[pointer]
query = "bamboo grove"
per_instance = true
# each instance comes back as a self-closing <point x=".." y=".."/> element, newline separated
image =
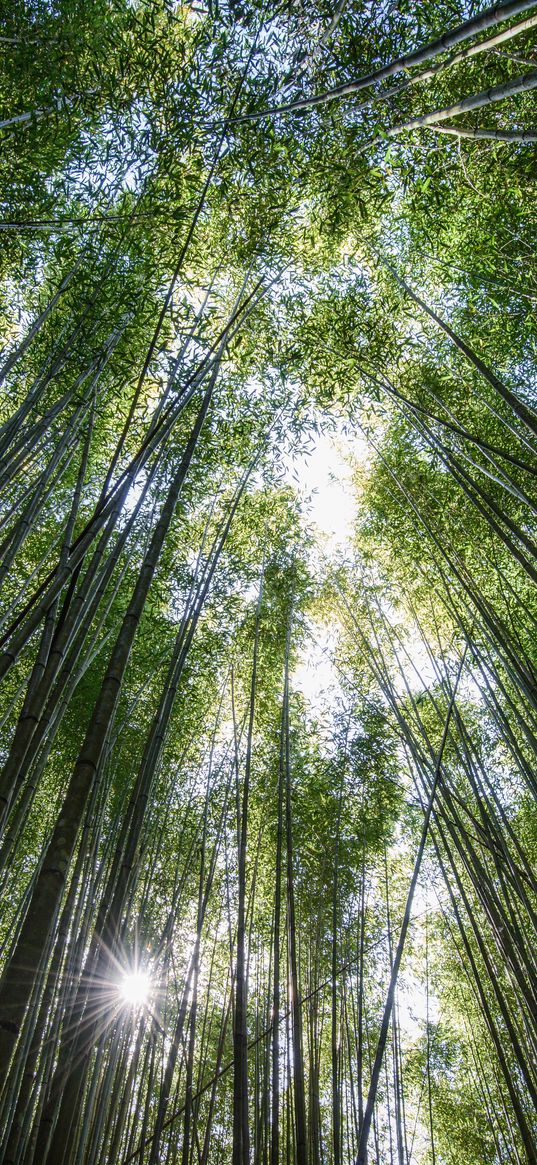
<point x="267" y="796"/>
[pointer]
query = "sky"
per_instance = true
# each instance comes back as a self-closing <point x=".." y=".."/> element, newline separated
<point x="323" y="481"/>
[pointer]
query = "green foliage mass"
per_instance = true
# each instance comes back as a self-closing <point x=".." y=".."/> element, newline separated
<point x="238" y="754"/>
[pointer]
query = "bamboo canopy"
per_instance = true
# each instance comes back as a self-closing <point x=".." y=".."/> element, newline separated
<point x="268" y="543"/>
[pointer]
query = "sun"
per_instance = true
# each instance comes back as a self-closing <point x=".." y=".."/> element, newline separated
<point x="135" y="988"/>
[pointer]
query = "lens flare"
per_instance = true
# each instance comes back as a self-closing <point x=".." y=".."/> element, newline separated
<point x="135" y="988"/>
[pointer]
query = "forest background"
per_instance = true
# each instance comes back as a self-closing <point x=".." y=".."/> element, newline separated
<point x="267" y="564"/>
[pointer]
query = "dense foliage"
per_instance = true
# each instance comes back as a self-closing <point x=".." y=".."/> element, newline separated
<point x="267" y="796"/>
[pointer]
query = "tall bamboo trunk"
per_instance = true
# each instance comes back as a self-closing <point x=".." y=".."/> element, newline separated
<point x="294" y="985"/>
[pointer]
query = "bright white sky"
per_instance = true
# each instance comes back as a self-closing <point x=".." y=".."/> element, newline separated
<point x="323" y="481"/>
<point x="315" y="676"/>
